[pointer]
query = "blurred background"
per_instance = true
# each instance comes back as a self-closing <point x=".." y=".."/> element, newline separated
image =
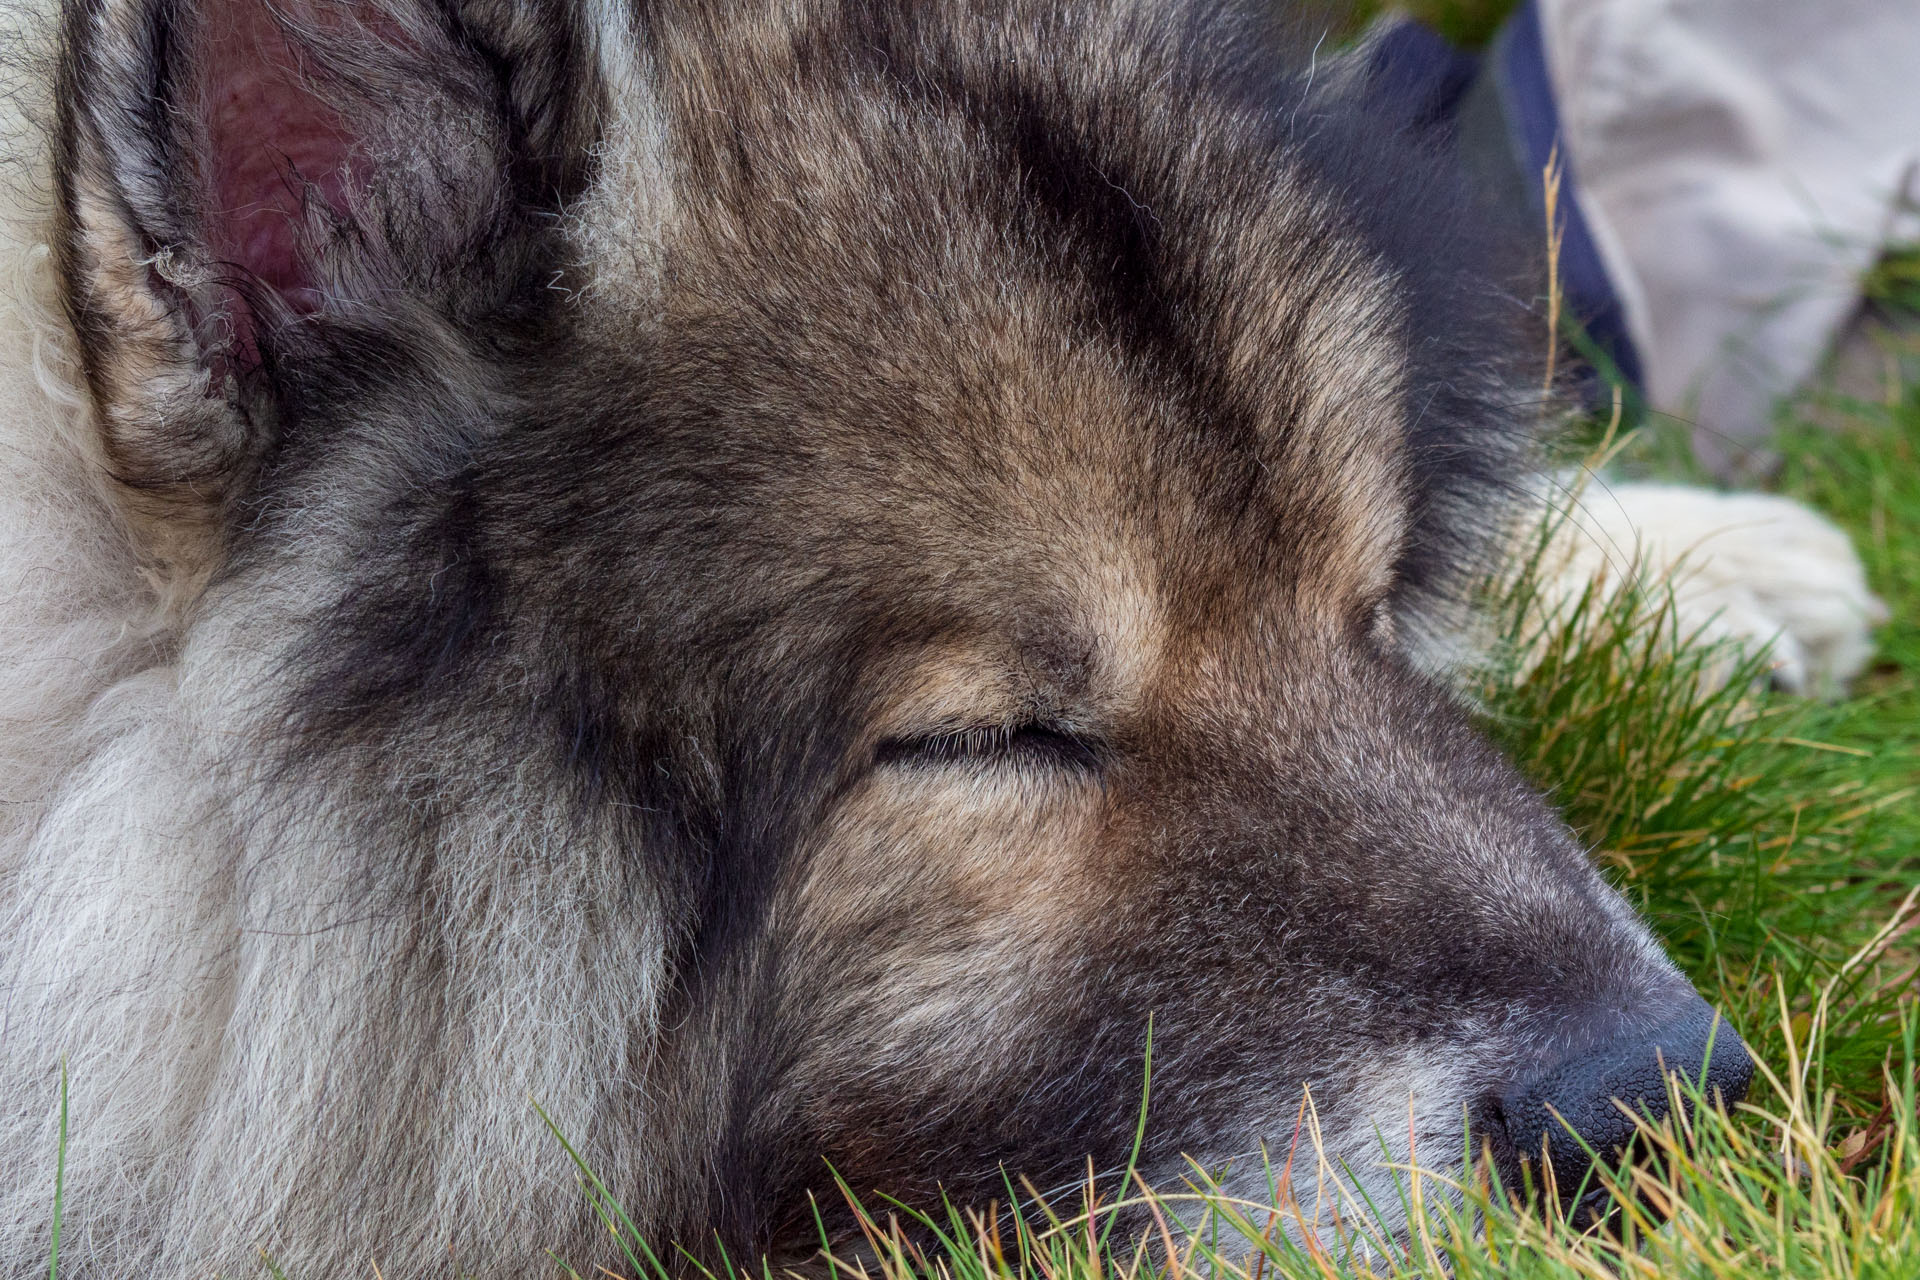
<point x="1736" y="212"/>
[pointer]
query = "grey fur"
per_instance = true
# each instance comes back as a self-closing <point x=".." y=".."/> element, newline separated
<point x="770" y="578"/>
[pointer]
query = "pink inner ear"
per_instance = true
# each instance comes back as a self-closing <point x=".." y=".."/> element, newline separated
<point x="272" y="144"/>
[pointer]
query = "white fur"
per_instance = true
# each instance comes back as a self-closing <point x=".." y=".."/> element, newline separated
<point x="103" y="874"/>
<point x="1349" y="1187"/>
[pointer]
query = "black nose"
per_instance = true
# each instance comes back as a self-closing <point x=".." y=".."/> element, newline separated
<point x="1583" y="1093"/>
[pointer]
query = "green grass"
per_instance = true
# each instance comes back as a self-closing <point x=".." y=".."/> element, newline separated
<point x="59" y="1183"/>
<point x="1468" y="23"/>
<point x="1894" y="281"/>
<point x="1774" y="843"/>
<point x="1768" y="838"/>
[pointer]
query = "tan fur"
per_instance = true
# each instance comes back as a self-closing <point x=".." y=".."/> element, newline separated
<point x="742" y="618"/>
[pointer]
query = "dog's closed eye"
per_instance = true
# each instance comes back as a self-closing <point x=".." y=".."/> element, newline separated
<point x="990" y="745"/>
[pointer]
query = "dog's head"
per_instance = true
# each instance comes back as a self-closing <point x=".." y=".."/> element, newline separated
<point x="935" y="514"/>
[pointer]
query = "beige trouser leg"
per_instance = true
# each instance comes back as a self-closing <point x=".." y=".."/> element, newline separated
<point x="1740" y="163"/>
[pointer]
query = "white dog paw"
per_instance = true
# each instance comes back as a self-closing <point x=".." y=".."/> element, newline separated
<point x="1751" y="568"/>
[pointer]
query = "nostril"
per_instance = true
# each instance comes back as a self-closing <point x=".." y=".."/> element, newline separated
<point x="1575" y="1105"/>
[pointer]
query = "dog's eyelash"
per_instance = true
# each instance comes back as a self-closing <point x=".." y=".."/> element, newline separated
<point x="988" y="744"/>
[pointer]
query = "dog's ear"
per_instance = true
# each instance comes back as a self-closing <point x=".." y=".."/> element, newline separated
<point x="240" y="178"/>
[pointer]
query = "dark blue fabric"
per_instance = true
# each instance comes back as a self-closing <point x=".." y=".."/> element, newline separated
<point x="1526" y="99"/>
<point x="1419" y="75"/>
<point x="1421" y="79"/>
